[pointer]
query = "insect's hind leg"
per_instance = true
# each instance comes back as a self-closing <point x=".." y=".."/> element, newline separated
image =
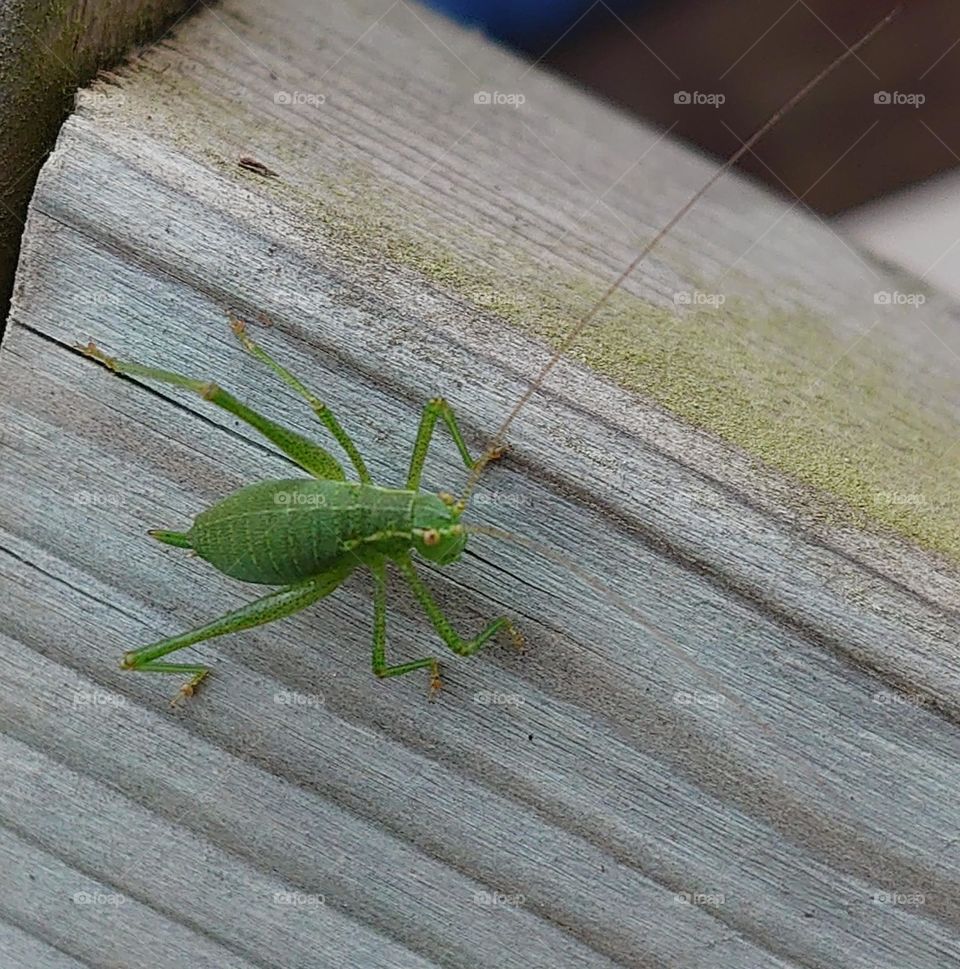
<point x="380" y="667"/>
<point x="319" y="408"/>
<point x="310" y="456"/>
<point x="276" y="605"/>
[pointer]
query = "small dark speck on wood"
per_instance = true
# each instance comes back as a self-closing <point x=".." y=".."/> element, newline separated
<point x="252" y="165"/>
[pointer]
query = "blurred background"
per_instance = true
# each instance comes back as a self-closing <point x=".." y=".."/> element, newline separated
<point x="877" y="147"/>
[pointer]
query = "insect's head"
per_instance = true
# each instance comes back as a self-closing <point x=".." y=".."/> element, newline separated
<point x="437" y="532"/>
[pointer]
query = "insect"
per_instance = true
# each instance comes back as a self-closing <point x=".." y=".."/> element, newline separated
<point x="307" y="535"/>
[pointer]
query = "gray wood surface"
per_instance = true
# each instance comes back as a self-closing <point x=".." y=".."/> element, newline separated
<point x="732" y="739"/>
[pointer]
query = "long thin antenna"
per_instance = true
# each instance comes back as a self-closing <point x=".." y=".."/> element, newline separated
<point x="685" y="657"/>
<point x="499" y="439"/>
<point x="592" y="582"/>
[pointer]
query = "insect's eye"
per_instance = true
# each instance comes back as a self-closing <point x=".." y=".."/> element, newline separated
<point x="431" y="536"/>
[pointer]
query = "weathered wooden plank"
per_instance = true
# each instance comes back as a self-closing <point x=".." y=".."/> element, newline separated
<point x="21" y="950"/>
<point x="762" y="708"/>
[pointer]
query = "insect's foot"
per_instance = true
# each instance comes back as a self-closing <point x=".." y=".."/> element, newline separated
<point x="491" y="454"/>
<point x="95" y="353"/>
<point x="239" y="328"/>
<point x="189" y="688"/>
<point x="436" y="684"/>
<point x="516" y="636"/>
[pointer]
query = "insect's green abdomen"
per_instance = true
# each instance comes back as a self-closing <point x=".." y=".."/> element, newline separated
<point x="279" y="532"/>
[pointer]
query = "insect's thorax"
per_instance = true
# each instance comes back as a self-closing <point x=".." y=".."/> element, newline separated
<point x="277" y="532"/>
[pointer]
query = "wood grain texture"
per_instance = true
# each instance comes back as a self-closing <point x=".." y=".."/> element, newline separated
<point x="721" y="750"/>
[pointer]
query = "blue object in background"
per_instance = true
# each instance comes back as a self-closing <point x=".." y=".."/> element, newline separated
<point x="532" y="25"/>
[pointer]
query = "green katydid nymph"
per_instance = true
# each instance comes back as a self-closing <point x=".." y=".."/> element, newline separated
<point x="307" y="535"/>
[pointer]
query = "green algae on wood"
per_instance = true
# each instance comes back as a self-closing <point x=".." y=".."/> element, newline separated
<point x="842" y="423"/>
<point x="782" y="386"/>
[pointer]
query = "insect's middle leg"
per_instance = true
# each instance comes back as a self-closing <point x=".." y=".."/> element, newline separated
<point x="380" y="667"/>
<point x="320" y="409"/>
<point x="463" y="647"/>
<point x="276" y="605"/>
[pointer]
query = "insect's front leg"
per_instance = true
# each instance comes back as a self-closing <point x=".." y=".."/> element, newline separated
<point x="380" y="667"/>
<point x="463" y="647"/>
<point x="434" y="409"/>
